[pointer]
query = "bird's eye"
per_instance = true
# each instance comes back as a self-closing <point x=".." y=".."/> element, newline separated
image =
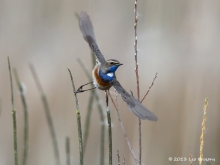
<point x="112" y="63"/>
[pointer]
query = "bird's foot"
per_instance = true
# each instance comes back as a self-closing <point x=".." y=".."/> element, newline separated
<point x="79" y="90"/>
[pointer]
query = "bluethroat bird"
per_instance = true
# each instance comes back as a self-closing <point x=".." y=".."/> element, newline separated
<point x="103" y="73"/>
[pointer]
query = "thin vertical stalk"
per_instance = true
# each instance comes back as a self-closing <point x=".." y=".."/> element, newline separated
<point x="118" y="157"/>
<point x="101" y="114"/>
<point x="102" y="141"/>
<point x="0" y="106"/>
<point x="203" y="131"/>
<point x="137" y="76"/>
<point x="102" y="119"/>
<point x="124" y="161"/>
<point x="140" y="142"/>
<point x="109" y="129"/>
<point x="87" y="121"/>
<point x="13" y="116"/>
<point x="48" y="115"/>
<point x="89" y="109"/>
<point x="123" y="129"/>
<point x="67" y="146"/>
<point x="135" y="48"/>
<point x="78" y="117"/>
<point x="26" y="124"/>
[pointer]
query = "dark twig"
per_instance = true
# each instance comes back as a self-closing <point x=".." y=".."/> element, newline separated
<point x="67" y="151"/>
<point x="48" y="115"/>
<point x="26" y="125"/>
<point x="78" y="121"/>
<point x="109" y="129"/>
<point x="118" y="157"/>
<point x="149" y="87"/>
<point x="13" y="117"/>
<point x="101" y="114"/>
<point x="123" y="129"/>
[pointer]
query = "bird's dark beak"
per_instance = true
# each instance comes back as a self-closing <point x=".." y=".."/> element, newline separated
<point x="119" y="64"/>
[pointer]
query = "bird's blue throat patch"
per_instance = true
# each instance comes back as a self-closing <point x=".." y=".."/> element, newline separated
<point x="106" y="77"/>
<point x="113" y="68"/>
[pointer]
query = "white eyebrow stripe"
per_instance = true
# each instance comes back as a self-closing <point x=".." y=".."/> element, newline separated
<point x="110" y="74"/>
<point x="113" y="61"/>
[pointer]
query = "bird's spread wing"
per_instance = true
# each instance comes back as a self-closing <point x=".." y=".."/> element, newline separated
<point x="134" y="105"/>
<point x="86" y="28"/>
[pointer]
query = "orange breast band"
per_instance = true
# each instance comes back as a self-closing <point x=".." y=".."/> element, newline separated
<point x="102" y="85"/>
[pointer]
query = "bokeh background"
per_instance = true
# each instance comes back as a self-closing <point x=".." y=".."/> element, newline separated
<point x="178" y="39"/>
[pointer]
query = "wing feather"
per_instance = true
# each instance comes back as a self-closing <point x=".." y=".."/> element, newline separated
<point x="134" y="105"/>
<point x="86" y="28"/>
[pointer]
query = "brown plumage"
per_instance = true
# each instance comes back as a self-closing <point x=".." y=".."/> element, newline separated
<point x="97" y="81"/>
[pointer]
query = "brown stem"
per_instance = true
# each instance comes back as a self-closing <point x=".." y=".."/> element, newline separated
<point x="149" y="88"/>
<point x="135" y="48"/>
<point x="136" y="71"/>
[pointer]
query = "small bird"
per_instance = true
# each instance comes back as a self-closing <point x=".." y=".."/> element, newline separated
<point x="103" y="73"/>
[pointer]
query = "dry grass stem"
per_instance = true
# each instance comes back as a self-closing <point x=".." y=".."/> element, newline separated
<point x="109" y="128"/>
<point x="13" y="116"/>
<point x="67" y="146"/>
<point x="78" y="117"/>
<point x="203" y="132"/>
<point x="48" y="115"/>
<point x="88" y="115"/>
<point x="26" y="124"/>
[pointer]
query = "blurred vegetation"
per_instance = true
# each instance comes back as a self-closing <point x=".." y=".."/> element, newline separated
<point x="178" y="39"/>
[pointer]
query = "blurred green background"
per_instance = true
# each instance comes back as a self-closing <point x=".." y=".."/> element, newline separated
<point x="179" y="39"/>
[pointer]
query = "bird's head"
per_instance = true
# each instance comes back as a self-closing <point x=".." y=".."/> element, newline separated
<point x="112" y="65"/>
